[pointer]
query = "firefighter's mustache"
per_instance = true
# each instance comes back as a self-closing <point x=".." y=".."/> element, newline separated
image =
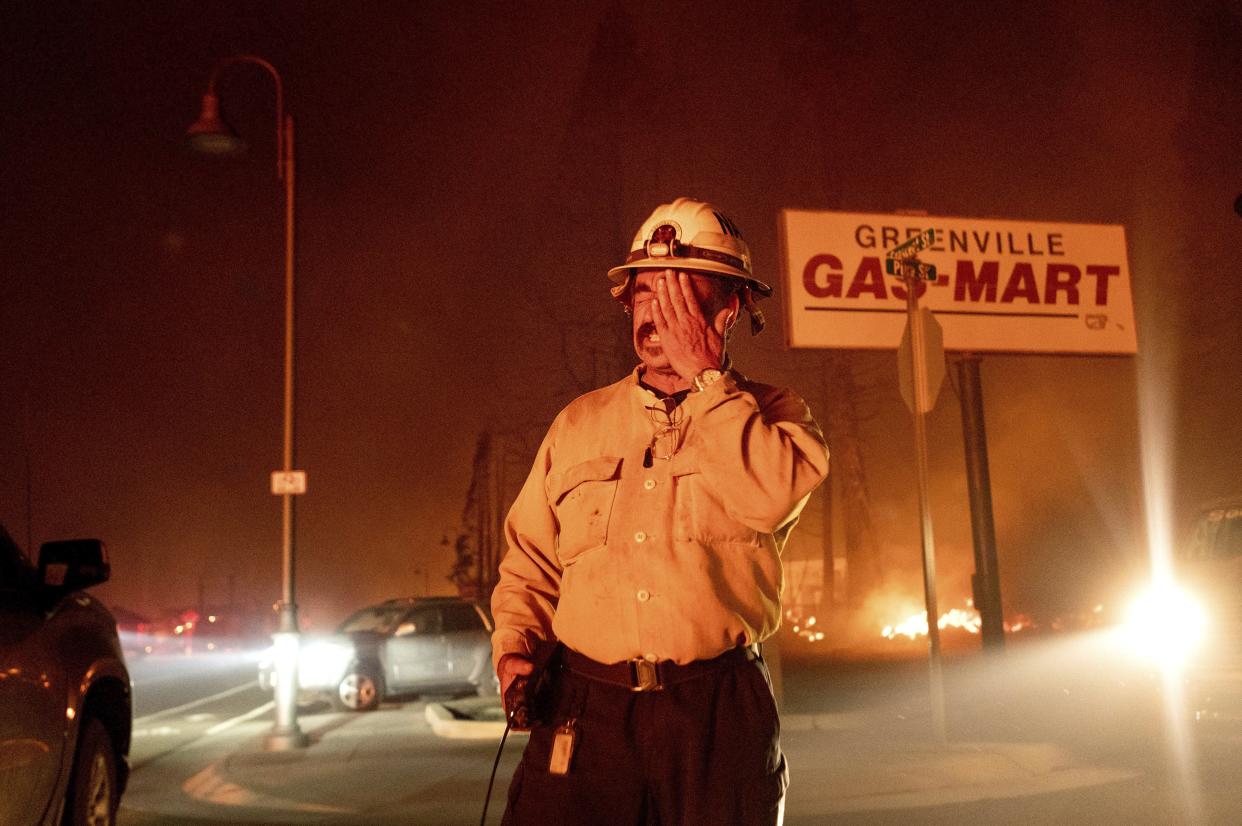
<point x="644" y="330"/>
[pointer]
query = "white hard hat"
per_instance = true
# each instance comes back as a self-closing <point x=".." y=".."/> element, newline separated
<point x="694" y="236"/>
<point x="689" y="235"/>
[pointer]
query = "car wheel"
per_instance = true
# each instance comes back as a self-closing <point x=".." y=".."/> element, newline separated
<point x="92" y="796"/>
<point x="359" y="690"/>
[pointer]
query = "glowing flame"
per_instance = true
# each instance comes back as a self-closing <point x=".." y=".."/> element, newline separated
<point x="804" y="627"/>
<point x="916" y="625"/>
<point x="1021" y="622"/>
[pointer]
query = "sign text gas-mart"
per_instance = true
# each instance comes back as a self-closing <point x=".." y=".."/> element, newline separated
<point x="1002" y="286"/>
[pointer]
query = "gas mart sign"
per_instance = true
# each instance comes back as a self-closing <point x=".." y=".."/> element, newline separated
<point x="1002" y="286"/>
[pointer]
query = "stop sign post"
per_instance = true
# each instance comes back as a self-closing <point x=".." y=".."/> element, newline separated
<point x="920" y="372"/>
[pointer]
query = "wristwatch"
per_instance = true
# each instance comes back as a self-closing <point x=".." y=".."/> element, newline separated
<point x="706" y="378"/>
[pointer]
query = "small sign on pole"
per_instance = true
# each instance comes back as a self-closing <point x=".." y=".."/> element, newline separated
<point x="288" y="482"/>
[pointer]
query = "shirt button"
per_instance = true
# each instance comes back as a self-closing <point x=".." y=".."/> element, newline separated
<point x="643" y="595"/>
<point x="640" y="537"/>
<point x="649" y="484"/>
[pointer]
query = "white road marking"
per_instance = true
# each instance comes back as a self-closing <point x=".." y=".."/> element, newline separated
<point x="241" y="718"/>
<point x="193" y="703"/>
<point x="209" y="786"/>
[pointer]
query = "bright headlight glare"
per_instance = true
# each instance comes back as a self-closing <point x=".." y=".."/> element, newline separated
<point x="323" y="662"/>
<point x="1166" y="624"/>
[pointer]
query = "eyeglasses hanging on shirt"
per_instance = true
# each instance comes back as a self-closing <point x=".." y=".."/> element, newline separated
<point x="667" y="417"/>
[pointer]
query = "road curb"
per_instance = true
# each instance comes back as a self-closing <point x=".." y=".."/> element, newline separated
<point x="839" y="721"/>
<point x="452" y="724"/>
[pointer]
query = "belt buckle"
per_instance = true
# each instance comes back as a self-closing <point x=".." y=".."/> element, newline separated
<point x="644" y="675"/>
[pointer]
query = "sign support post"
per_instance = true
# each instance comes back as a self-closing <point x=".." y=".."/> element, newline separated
<point x="985" y="582"/>
<point x="903" y="262"/>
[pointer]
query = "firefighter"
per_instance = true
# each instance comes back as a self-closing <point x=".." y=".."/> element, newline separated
<point x="645" y="544"/>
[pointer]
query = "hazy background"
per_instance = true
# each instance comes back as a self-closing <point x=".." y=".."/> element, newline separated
<point x="467" y="173"/>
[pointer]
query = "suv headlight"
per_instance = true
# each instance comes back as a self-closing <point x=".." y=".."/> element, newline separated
<point x="323" y="663"/>
<point x="1166" y="624"/>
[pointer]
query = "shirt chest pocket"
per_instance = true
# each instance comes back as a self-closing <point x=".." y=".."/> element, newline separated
<point x="700" y="513"/>
<point x="582" y="497"/>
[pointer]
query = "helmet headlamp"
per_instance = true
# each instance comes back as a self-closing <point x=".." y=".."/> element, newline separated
<point x="663" y="242"/>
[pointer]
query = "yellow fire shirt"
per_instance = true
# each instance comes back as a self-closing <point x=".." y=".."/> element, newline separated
<point x="631" y="540"/>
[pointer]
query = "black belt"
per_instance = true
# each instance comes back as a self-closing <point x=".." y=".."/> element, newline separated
<point x="641" y="674"/>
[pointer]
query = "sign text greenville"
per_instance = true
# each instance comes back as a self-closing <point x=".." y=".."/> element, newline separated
<point x="1002" y="286"/>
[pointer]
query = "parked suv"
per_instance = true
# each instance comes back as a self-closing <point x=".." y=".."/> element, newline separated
<point x="1211" y="564"/>
<point x="65" y="706"/>
<point x="399" y="646"/>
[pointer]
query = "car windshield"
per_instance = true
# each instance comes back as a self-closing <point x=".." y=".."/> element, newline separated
<point x="1218" y="535"/>
<point x="380" y="619"/>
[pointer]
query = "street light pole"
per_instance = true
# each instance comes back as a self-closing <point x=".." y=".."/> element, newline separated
<point x="212" y="135"/>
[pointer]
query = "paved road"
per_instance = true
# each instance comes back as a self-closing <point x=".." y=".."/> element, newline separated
<point x="179" y="700"/>
<point x="1074" y="698"/>
<point x="164" y="681"/>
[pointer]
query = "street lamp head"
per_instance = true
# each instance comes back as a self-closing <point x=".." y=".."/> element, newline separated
<point x="210" y="134"/>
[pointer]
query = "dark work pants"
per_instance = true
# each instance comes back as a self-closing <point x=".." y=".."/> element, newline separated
<point x="703" y="751"/>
